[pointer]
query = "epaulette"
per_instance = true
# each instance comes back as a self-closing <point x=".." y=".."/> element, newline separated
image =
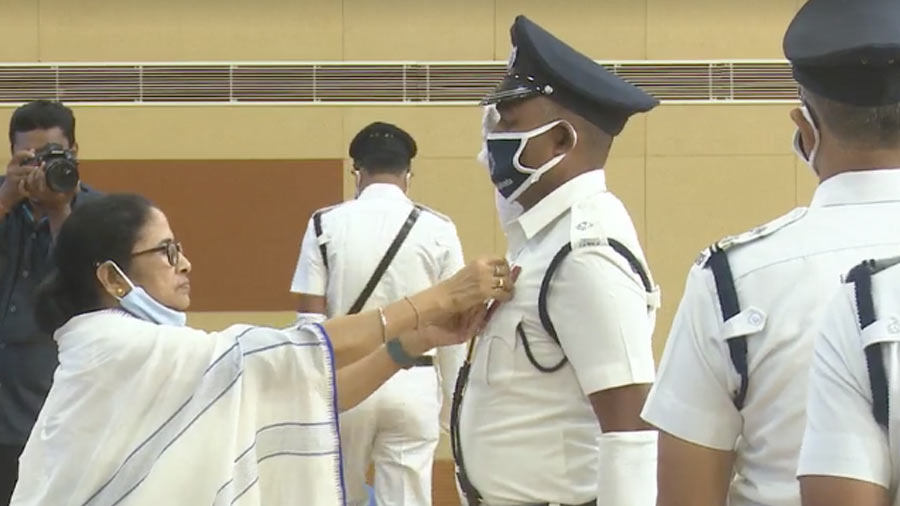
<point x="587" y="226"/>
<point x="328" y="208"/>
<point x="751" y="235"/>
<point x="432" y="211"/>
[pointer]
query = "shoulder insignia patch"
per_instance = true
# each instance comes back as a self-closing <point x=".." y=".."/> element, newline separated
<point x="586" y="228"/>
<point x="762" y="230"/>
<point x="432" y="211"/>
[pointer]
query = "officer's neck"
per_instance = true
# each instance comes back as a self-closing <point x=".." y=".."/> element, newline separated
<point x="366" y="179"/>
<point x="841" y="160"/>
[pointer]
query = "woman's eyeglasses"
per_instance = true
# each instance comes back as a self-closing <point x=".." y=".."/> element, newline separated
<point x="173" y="252"/>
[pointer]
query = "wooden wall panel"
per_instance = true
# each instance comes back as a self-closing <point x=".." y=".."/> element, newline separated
<point x="136" y="30"/>
<point x="418" y="30"/>
<point x="209" y="133"/>
<point x="212" y="321"/>
<point x="461" y="189"/>
<point x="241" y="222"/>
<point x="440" y="132"/>
<point x="695" y="201"/>
<point x="625" y="177"/>
<point x="18" y="31"/>
<point x="701" y="29"/>
<point x="715" y="130"/>
<point x="608" y="29"/>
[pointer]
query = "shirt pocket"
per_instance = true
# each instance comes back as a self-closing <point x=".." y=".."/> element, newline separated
<point x="499" y="347"/>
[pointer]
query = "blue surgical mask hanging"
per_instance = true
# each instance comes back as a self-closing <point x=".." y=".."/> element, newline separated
<point x="504" y="151"/>
<point x="140" y="304"/>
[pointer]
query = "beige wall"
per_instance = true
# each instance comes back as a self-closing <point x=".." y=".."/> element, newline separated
<point x="688" y="174"/>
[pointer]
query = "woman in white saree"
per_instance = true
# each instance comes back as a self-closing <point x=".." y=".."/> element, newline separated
<point x="146" y="411"/>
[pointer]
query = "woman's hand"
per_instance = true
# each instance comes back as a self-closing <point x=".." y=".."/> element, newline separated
<point x="456" y="330"/>
<point x="481" y="280"/>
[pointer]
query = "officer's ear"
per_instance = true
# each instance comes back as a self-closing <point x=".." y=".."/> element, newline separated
<point x="564" y="138"/>
<point x="807" y="131"/>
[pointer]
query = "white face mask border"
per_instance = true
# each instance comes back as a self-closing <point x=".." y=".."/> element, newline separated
<point x="121" y="273"/>
<point x="808" y="156"/>
<point x="523" y="138"/>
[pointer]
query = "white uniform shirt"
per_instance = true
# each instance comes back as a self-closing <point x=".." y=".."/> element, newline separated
<point x="356" y="234"/>
<point x="842" y="438"/>
<point x="782" y="280"/>
<point x="529" y="436"/>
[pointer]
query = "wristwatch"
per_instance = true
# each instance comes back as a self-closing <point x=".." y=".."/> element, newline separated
<point x="399" y="355"/>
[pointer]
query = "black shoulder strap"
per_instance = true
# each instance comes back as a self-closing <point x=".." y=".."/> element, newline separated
<point x="317" y="225"/>
<point x="861" y="277"/>
<point x="728" y="301"/>
<point x="544" y="313"/>
<point x="386" y="260"/>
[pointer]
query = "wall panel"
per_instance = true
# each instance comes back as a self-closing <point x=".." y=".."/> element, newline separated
<point x="18" y="31"/>
<point x="608" y="29"/>
<point x="695" y="201"/>
<point x="241" y="222"/>
<point x="701" y="29"/>
<point x="418" y="30"/>
<point x="240" y="132"/>
<point x="718" y="130"/>
<point x="440" y="132"/>
<point x="461" y="189"/>
<point x="133" y="30"/>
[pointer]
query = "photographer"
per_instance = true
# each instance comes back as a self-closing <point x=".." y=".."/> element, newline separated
<point x="36" y="196"/>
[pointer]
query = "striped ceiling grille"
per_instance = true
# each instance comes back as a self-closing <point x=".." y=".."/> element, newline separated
<point x="418" y="83"/>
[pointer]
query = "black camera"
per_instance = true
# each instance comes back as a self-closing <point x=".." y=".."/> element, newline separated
<point x="60" y="167"/>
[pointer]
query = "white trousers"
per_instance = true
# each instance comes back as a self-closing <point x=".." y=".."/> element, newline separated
<point x="397" y="429"/>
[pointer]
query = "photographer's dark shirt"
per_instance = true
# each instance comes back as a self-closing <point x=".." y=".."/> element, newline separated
<point x="27" y="355"/>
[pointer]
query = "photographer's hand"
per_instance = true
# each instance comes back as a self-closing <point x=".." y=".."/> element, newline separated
<point x="57" y="206"/>
<point x="13" y="191"/>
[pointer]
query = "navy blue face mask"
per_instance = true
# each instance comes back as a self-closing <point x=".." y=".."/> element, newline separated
<point x="504" y="150"/>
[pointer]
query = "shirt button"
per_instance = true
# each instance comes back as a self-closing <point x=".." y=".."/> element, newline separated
<point x="33" y="236"/>
<point x="755" y="318"/>
<point x="12" y="309"/>
<point x="25" y="274"/>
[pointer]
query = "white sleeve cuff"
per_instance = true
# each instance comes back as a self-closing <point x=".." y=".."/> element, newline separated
<point x="669" y="414"/>
<point x="845" y="456"/>
<point x="628" y="468"/>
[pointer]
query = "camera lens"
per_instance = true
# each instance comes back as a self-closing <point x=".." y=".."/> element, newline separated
<point x="62" y="174"/>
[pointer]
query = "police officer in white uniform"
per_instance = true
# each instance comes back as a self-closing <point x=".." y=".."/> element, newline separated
<point x="365" y="253"/>
<point x="730" y="395"/>
<point x="852" y="439"/>
<point x="571" y="352"/>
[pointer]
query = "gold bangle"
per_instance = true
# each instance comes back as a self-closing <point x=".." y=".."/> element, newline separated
<point x="415" y="310"/>
<point x="383" y="324"/>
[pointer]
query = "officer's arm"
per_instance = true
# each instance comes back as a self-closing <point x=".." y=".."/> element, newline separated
<point x="833" y="491"/>
<point x="619" y="409"/>
<point x="600" y="315"/>
<point x="692" y="475"/>
<point x="310" y="279"/>
<point x="845" y="458"/>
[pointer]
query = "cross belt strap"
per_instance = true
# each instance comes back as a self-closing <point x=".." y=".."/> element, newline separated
<point x="544" y="313"/>
<point x="728" y="301"/>
<point x="386" y="260"/>
<point x="317" y="225"/>
<point x="861" y="277"/>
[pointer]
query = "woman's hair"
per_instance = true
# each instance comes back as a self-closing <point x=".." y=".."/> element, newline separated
<point x="101" y="229"/>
